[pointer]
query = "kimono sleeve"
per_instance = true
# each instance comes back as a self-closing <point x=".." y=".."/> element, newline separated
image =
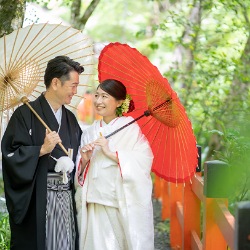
<point x="135" y="155"/>
<point x="135" y="160"/>
<point x="88" y="136"/>
<point x="20" y="158"/>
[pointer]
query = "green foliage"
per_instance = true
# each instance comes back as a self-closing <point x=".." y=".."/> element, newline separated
<point x="235" y="152"/>
<point x="4" y="232"/>
<point x="48" y="3"/>
<point x="11" y="15"/>
<point x="4" y="223"/>
<point x="163" y="226"/>
<point x="1" y="186"/>
<point x="117" y="20"/>
<point x="204" y="75"/>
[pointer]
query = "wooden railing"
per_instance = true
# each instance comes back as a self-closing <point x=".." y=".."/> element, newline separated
<point x="199" y="215"/>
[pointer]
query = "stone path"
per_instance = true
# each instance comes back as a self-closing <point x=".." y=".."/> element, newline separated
<point x="161" y="228"/>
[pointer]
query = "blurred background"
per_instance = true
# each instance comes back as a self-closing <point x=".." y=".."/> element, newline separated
<point x="201" y="46"/>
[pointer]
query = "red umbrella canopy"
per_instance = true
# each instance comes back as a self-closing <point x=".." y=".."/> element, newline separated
<point x="168" y="129"/>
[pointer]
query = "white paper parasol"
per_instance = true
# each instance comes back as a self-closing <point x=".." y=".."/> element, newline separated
<point x="24" y="55"/>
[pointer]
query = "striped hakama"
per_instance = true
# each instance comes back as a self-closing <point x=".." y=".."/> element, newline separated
<point x="60" y="226"/>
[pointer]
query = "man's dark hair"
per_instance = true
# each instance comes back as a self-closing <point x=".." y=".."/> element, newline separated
<point x="60" y="67"/>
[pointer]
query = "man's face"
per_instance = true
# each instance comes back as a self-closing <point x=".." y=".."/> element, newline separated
<point x="65" y="91"/>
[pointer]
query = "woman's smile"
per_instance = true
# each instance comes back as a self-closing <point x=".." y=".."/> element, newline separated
<point x="106" y="105"/>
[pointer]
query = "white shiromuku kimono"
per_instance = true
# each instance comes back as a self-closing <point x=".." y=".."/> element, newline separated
<point x="114" y="205"/>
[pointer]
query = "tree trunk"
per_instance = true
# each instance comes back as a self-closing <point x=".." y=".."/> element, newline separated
<point x="11" y="15"/>
<point x="78" y="21"/>
<point x="189" y="37"/>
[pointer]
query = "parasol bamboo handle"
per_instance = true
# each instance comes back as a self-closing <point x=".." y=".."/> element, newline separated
<point x="25" y="100"/>
<point x="146" y="113"/>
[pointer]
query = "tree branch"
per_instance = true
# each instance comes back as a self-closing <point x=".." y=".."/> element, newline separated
<point x="11" y="15"/>
<point x="80" y="22"/>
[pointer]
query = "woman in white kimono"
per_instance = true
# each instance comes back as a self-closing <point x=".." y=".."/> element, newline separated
<point x="114" y="187"/>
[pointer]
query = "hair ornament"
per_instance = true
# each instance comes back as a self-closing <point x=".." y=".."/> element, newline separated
<point x="126" y="107"/>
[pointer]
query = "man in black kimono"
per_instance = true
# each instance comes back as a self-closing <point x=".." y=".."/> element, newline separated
<point x="41" y="208"/>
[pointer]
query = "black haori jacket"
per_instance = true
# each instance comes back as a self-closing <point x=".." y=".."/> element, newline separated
<point x="25" y="173"/>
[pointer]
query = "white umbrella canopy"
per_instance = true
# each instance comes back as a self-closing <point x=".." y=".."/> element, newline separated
<point x="24" y="56"/>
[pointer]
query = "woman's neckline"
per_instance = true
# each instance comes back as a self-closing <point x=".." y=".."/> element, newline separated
<point x="110" y="123"/>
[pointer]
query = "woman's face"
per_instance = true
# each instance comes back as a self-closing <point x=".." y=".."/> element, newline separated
<point x="106" y="105"/>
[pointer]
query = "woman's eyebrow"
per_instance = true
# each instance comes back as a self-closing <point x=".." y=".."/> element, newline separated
<point x="102" y="94"/>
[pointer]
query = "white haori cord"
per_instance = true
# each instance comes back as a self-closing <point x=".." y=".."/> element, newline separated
<point x="64" y="164"/>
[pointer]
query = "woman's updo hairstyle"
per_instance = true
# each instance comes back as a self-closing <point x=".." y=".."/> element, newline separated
<point x="114" y="88"/>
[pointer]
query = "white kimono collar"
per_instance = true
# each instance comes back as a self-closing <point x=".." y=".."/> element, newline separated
<point x="103" y="123"/>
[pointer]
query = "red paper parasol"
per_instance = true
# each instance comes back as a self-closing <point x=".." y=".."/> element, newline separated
<point x="167" y="128"/>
